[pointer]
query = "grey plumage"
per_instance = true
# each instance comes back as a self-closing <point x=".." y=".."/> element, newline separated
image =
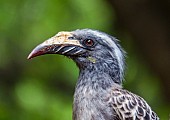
<point x="98" y="94"/>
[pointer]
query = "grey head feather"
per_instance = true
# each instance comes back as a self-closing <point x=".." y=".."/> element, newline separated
<point x="109" y="52"/>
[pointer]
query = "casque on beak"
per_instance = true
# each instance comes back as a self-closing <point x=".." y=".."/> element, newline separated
<point x="62" y="43"/>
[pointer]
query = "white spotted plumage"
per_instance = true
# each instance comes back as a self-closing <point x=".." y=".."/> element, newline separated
<point x="130" y="106"/>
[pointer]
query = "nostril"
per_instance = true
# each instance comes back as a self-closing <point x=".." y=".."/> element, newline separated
<point x="71" y="38"/>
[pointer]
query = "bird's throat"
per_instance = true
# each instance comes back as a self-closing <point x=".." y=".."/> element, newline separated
<point x="94" y="81"/>
<point x="92" y="89"/>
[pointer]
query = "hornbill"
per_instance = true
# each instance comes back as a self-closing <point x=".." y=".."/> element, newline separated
<point x="101" y="60"/>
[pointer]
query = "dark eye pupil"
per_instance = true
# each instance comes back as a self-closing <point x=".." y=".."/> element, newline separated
<point x="89" y="42"/>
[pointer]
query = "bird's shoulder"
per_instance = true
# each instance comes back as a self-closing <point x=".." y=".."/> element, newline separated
<point x="131" y="106"/>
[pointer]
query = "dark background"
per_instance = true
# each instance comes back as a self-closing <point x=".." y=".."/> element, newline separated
<point x="42" y="88"/>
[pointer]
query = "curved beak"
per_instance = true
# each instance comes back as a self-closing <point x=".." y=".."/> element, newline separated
<point x="62" y="43"/>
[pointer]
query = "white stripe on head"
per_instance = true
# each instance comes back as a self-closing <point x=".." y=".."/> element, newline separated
<point x="111" y="42"/>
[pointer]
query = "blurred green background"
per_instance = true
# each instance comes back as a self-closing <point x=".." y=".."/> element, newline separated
<point x="42" y="88"/>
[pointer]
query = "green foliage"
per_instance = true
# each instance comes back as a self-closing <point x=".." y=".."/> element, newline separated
<point x="42" y="89"/>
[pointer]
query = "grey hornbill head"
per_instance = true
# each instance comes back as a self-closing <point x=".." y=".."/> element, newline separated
<point x="90" y="49"/>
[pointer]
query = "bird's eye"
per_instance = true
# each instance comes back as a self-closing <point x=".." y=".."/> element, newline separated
<point x="89" y="42"/>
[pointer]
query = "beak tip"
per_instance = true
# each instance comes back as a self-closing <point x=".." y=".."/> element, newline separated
<point x="30" y="56"/>
<point x="37" y="51"/>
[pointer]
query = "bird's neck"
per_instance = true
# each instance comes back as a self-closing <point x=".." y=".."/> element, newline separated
<point x="93" y="86"/>
<point x="99" y="76"/>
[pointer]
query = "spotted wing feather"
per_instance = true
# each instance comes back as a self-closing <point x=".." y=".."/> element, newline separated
<point x="129" y="106"/>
